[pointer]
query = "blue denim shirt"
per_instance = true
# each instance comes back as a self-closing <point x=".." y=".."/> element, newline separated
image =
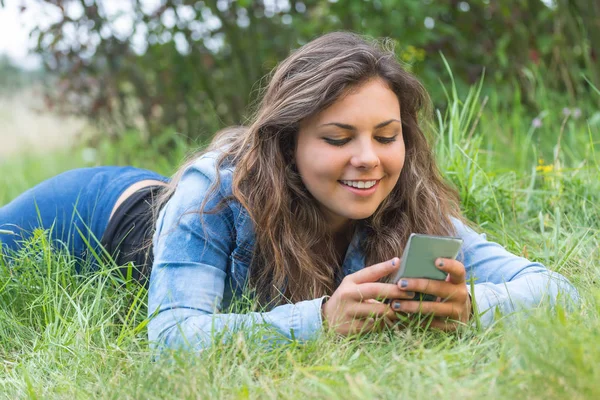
<point x="201" y="263"/>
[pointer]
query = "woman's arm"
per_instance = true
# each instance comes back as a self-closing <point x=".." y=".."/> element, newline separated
<point x="508" y="282"/>
<point x="191" y="258"/>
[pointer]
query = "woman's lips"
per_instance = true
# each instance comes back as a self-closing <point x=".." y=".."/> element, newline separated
<point x="362" y="192"/>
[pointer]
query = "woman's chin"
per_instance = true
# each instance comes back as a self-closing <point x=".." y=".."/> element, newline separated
<point x="360" y="215"/>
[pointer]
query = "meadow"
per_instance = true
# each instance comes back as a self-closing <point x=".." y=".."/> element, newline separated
<point x="528" y="180"/>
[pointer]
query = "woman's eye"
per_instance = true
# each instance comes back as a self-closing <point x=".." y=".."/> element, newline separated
<point x="336" y="142"/>
<point x="385" y="140"/>
<point x="341" y="142"/>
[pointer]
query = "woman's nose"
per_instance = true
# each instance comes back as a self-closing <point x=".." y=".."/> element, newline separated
<point x="365" y="157"/>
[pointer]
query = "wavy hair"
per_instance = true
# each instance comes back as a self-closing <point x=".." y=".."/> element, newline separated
<point x="294" y="258"/>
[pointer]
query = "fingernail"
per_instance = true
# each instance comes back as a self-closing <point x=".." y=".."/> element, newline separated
<point x="396" y="306"/>
<point x="410" y="294"/>
<point x="403" y="283"/>
<point x="393" y="262"/>
<point x="440" y="263"/>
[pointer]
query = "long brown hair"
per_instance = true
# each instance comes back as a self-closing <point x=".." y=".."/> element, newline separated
<point x="294" y="256"/>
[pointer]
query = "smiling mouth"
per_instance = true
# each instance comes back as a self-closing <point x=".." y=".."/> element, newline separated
<point x="364" y="185"/>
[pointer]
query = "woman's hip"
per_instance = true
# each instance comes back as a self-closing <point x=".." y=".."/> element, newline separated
<point x="75" y="206"/>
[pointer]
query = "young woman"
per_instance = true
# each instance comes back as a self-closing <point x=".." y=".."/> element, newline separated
<point x="308" y="208"/>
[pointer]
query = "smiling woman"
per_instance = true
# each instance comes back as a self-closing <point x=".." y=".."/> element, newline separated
<point x="307" y="209"/>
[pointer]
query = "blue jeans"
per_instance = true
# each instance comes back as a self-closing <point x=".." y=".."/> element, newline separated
<point x="75" y="206"/>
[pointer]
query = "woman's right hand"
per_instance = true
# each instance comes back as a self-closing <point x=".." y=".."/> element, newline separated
<point x="357" y="304"/>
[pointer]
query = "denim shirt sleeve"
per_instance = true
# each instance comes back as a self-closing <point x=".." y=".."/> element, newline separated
<point x="506" y="282"/>
<point x="191" y="260"/>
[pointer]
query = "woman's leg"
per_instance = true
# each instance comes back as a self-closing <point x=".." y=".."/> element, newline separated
<point x="74" y="206"/>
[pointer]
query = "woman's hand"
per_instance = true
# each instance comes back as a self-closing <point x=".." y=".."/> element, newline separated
<point x="356" y="306"/>
<point x="454" y="303"/>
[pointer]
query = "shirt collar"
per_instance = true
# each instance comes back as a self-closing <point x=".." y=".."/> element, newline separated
<point x="354" y="259"/>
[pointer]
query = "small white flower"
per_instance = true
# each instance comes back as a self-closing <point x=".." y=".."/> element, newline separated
<point x="576" y="113"/>
<point x="566" y="111"/>
<point x="537" y="122"/>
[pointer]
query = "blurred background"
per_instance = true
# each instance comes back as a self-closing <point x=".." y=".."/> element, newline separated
<point x="166" y="74"/>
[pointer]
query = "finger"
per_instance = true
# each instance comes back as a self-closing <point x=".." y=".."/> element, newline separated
<point x="443" y="324"/>
<point x="352" y="326"/>
<point x="444" y="290"/>
<point x="361" y="326"/>
<point x="445" y="280"/>
<point x="375" y="272"/>
<point x="445" y="310"/>
<point x="388" y="322"/>
<point x="382" y="291"/>
<point x="390" y="318"/>
<point x="368" y="310"/>
<point x="454" y="268"/>
<point x="395" y="316"/>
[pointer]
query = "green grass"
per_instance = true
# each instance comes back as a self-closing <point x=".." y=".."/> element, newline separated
<point x="64" y="335"/>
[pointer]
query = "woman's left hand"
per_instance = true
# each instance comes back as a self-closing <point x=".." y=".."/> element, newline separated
<point x="453" y="306"/>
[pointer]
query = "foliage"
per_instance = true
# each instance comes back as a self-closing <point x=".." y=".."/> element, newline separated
<point x="13" y="78"/>
<point x="193" y="65"/>
<point x="8" y="72"/>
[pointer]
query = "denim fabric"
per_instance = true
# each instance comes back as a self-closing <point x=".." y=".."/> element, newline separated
<point x="201" y="263"/>
<point x="74" y="205"/>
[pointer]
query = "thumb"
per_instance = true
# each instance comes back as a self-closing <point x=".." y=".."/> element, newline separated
<point x="375" y="272"/>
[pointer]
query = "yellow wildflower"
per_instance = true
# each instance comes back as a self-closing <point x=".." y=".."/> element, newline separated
<point x="412" y="54"/>
<point x="545" y="168"/>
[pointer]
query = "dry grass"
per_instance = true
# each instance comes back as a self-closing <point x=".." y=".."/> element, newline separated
<point x="27" y="127"/>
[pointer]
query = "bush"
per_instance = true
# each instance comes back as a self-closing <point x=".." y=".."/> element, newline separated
<point x="193" y="65"/>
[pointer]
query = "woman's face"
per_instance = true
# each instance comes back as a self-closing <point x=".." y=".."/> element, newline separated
<point x="350" y="155"/>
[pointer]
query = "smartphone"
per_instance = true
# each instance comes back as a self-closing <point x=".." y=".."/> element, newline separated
<point x="419" y="257"/>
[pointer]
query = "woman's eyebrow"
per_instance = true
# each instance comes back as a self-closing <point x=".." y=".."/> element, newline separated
<point x="353" y="128"/>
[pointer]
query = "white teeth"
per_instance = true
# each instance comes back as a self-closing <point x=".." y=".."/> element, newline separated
<point x="360" y="184"/>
